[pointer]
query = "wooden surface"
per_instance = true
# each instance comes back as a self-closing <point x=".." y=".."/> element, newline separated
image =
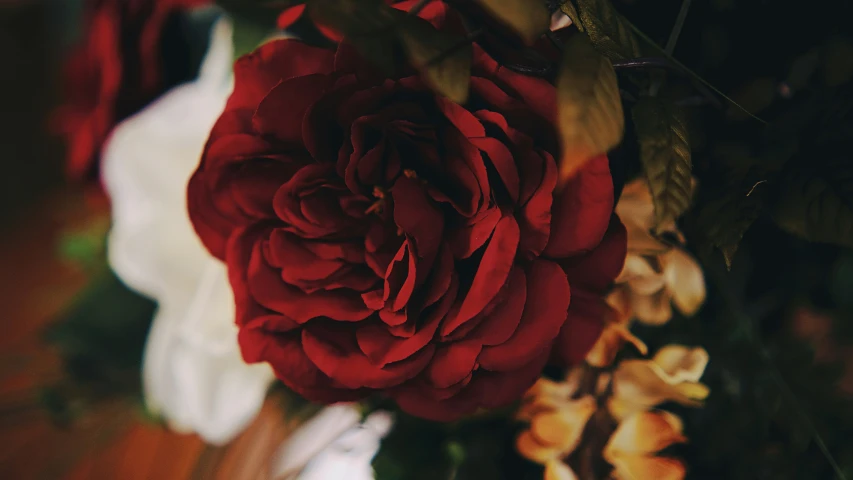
<point x="114" y="443"/>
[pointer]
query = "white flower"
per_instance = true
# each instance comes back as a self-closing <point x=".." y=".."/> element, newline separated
<point x="335" y="444"/>
<point x="193" y="372"/>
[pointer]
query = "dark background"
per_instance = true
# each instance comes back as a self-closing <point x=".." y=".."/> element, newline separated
<point x="31" y="40"/>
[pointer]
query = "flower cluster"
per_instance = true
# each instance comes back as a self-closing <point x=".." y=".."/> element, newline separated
<point x="598" y="420"/>
<point x="656" y="273"/>
<point x="602" y="418"/>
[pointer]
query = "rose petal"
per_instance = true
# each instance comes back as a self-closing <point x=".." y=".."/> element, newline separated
<point x="537" y="194"/>
<point x="494" y="268"/>
<point x="418" y="216"/>
<point x="452" y="363"/>
<point x="400" y="278"/>
<point x="440" y="278"/>
<point x="581" y="212"/>
<point x="502" y="322"/>
<point x="596" y="270"/>
<point x="465" y="240"/>
<point x="281" y="112"/>
<point x="583" y="326"/>
<point x="502" y="160"/>
<point x="382" y="348"/>
<point x="486" y="389"/>
<point x="336" y="353"/>
<point x="267" y="287"/>
<point x="293" y="367"/>
<point x="544" y="314"/>
<point x="289" y="16"/>
<point x="257" y="73"/>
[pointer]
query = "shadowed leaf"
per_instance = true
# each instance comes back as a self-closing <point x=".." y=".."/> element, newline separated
<point x="817" y="203"/>
<point x="591" y="120"/>
<point x="665" y="155"/>
<point x="529" y="18"/>
<point x="721" y="222"/>
<point x="608" y="30"/>
<point x="442" y="58"/>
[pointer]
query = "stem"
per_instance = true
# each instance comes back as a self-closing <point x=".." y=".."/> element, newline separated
<point x="666" y="63"/>
<point x="644" y="62"/>
<point x="676" y="29"/>
<point x="689" y="72"/>
<point x="587" y="460"/>
<point x="670" y="44"/>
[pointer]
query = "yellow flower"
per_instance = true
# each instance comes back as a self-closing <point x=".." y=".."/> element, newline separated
<point x="633" y="446"/>
<point x="672" y="375"/>
<point x="557" y="470"/>
<point x="614" y="335"/>
<point x="546" y="395"/>
<point x="555" y="433"/>
<point x="655" y="274"/>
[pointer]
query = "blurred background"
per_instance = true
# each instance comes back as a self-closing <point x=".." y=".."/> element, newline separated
<point x="777" y="325"/>
<point x="51" y="235"/>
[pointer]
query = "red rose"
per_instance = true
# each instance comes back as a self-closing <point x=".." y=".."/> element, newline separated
<point x="113" y="73"/>
<point x="382" y="238"/>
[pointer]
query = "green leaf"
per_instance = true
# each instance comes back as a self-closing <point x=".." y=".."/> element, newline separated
<point x="103" y="336"/>
<point x="529" y="18"/>
<point x="352" y="17"/>
<point x="415" y="449"/>
<point x="591" y="120"/>
<point x="815" y="201"/>
<point x="721" y="221"/>
<point x="609" y="31"/>
<point x="753" y="97"/>
<point x="838" y="61"/>
<point x="369" y="25"/>
<point x="569" y="9"/>
<point x="665" y="155"/>
<point x="248" y="34"/>
<point x="444" y="59"/>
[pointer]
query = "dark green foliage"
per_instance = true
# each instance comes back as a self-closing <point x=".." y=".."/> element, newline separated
<point x="101" y="340"/>
<point x="472" y="449"/>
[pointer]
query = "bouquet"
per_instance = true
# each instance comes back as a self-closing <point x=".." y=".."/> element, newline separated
<point x="469" y="235"/>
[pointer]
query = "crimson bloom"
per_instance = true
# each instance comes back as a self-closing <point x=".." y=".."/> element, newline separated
<point x="381" y="238"/>
<point x="113" y="73"/>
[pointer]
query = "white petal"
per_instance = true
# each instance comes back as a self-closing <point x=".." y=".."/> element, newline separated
<point x="635" y="207"/>
<point x="559" y="20"/>
<point x="216" y="71"/>
<point x="684" y="280"/>
<point x="654" y="309"/>
<point x="193" y="373"/>
<point x="557" y="470"/>
<point x="682" y="364"/>
<point x="333" y="444"/>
